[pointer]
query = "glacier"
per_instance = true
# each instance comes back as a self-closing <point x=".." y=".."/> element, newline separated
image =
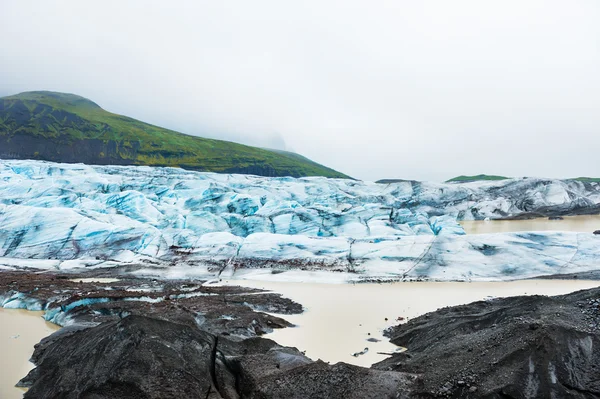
<point x="175" y="223"/>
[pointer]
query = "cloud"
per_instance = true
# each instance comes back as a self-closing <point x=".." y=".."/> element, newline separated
<point x="376" y="89"/>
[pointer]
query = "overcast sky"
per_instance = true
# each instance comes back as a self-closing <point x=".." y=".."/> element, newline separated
<point x="376" y="89"/>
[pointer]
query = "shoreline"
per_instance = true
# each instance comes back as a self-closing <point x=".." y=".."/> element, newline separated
<point x="328" y="321"/>
<point x="20" y="330"/>
<point x="338" y="319"/>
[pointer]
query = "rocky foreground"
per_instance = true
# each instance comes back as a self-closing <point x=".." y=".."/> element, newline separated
<point x="520" y="347"/>
<point x="141" y="357"/>
<point x="73" y="302"/>
<point x="149" y="339"/>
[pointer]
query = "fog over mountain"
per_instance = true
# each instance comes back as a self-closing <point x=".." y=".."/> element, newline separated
<point x="375" y="89"/>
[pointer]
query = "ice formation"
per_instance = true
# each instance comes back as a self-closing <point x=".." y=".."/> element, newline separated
<point x="65" y="216"/>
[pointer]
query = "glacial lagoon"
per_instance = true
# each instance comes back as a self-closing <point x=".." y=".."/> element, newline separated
<point x="340" y="318"/>
<point x="577" y="224"/>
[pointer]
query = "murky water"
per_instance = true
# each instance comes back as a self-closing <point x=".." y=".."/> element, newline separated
<point x="339" y="318"/>
<point x="338" y="321"/>
<point x="583" y="224"/>
<point x="20" y="330"/>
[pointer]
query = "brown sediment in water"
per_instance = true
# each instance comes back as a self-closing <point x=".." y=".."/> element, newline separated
<point x="20" y="330"/>
<point x="340" y="318"/>
<point x="581" y="224"/>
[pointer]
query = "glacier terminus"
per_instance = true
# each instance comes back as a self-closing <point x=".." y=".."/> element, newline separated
<point x="171" y="222"/>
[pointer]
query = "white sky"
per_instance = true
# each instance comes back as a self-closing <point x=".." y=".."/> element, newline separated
<point x="376" y="89"/>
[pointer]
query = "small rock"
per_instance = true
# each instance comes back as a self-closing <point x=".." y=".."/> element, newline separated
<point x="357" y="354"/>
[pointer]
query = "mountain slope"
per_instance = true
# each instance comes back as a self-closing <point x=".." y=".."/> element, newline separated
<point x="587" y="179"/>
<point x="468" y="179"/>
<point x="68" y="128"/>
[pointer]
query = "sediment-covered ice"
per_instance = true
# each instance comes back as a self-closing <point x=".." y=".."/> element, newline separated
<point x="67" y="216"/>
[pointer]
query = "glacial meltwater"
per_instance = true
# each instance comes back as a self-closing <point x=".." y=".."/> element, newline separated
<point x="20" y="330"/>
<point x="339" y="319"/>
<point x="580" y="224"/>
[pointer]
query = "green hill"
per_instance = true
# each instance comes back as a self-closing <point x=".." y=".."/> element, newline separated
<point x="68" y="128"/>
<point x="467" y="179"/>
<point x="587" y="179"/>
<point x="392" y="181"/>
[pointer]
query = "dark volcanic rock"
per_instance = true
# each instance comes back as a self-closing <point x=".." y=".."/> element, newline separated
<point x="597" y="232"/>
<point x="136" y="357"/>
<point x="193" y="346"/>
<point x="237" y="311"/>
<point x="140" y="357"/>
<point x="320" y="380"/>
<point x="522" y="347"/>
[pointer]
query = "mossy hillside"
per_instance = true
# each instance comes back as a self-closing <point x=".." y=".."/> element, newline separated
<point x="588" y="179"/>
<point x="69" y="128"/>
<point x="466" y="179"/>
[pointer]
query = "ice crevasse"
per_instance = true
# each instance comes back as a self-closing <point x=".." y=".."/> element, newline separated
<point x="71" y="215"/>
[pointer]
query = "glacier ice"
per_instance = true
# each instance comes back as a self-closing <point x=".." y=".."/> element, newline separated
<point x="66" y="216"/>
<point x="20" y="301"/>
